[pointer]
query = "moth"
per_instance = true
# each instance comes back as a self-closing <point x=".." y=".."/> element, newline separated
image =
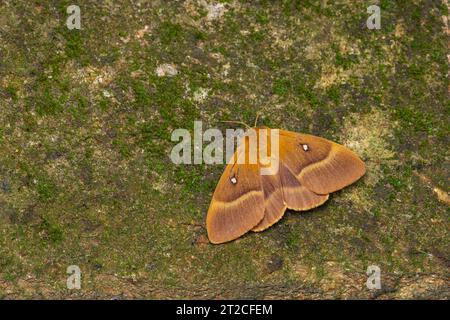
<point x="308" y="169"/>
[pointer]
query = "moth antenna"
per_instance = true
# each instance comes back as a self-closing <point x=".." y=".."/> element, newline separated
<point x="238" y="122"/>
<point x="256" y="119"/>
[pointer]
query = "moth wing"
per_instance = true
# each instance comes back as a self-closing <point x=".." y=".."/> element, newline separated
<point x="274" y="205"/>
<point x="297" y="196"/>
<point x="322" y="166"/>
<point x="282" y="190"/>
<point x="237" y="204"/>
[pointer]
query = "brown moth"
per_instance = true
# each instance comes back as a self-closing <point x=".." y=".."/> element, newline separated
<point x="309" y="169"/>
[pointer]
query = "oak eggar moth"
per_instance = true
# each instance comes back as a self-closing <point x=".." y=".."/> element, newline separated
<point x="309" y="168"/>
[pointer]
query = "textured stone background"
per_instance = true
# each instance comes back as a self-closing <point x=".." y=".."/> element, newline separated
<point x="85" y="123"/>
